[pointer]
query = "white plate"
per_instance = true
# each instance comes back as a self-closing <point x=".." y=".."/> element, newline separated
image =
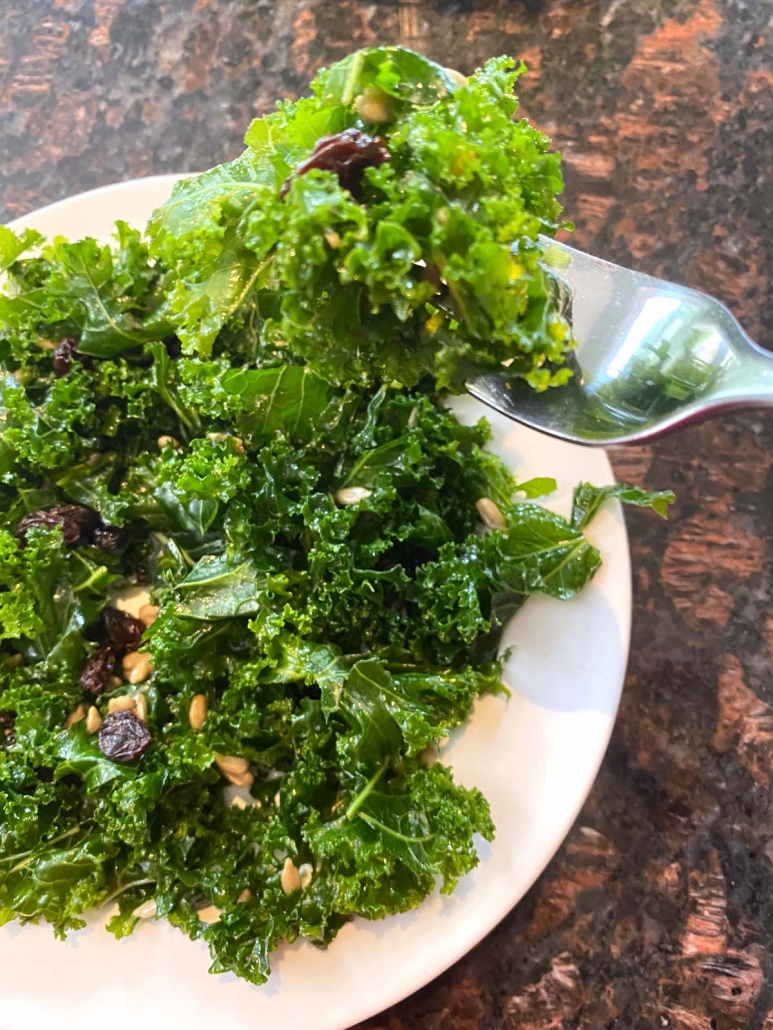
<point x="535" y="759"/>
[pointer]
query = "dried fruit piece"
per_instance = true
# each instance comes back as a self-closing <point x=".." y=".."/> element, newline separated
<point x="77" y="522"/>
<point x="120" y="631"/>
<point x="97" y="671"/>
<point x="108" y="538"/>
<point x="346" y="155"/>
<point x="123" y="737"/>
<point x="7" y="734"/>
<point x="63" y="356"/>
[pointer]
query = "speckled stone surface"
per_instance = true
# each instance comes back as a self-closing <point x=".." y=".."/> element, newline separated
<point x="658" y="910"/>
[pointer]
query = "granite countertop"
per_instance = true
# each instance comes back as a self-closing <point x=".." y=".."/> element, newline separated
<point x="658" y="910"/>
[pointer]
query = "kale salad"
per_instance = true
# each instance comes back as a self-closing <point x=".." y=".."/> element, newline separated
<point x="238" y="415"/>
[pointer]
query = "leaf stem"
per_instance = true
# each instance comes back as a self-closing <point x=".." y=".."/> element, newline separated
<point x="32" y="855"/>
<point x="362" y="797"/>
<point x="19" y="854"/>
<point x="395" y="833"/>
<point x="93" y="578"/>
<point x="120" y="890"/>
<point x="347" y="94"/>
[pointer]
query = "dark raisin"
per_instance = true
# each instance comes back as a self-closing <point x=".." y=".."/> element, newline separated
<point x="108" y="538"/>
<point x="142" y="576"/>
<point x="173" y="346"/>
<point x="432" y="275"/>
<point x="97" y="671"/>
<point x="347" y="155"/>
<point x="76" y="521"/>
<point x="46" y="775"/>
<point x="63" y="356"/>
<point x="123" y="737"/>
<point x="7" y="734"/>
<point x="120" y="631"/>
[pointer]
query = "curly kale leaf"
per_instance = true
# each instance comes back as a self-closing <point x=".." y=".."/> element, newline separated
<point x="18" y="615"/>
<point x="199" y="235"/>
<point x="104" y="296"/>
<point x="13" y="245"/>
<point x="48" y="431"/>
<point x="58" y="884"/>
<point x="410" y="824"/>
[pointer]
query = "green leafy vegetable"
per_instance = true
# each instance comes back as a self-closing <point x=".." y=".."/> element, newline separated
<point x="437" y="272"/>
<point x="13" y="246"/>
<point x="286" y="397"/>
<point x="589" y="499"/>
<point x="241" y="412"/>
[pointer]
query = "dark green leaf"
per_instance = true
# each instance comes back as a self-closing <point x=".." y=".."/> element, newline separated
<point x="225" y="588"/>
<point x="288" y="398"/>
<point x="79" y="755"/>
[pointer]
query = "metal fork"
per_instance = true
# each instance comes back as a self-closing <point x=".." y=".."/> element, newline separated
<point x="651" y="358"/>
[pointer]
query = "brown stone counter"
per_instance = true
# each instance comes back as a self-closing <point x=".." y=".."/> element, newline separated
<point x="658" y="910"/>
